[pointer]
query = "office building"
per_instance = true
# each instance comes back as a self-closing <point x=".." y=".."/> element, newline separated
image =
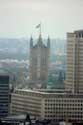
<point x="4" y="94"/>
<point x="48" y="104"/>
<point x="39" y="61"/>
<point x="74" y="74"/>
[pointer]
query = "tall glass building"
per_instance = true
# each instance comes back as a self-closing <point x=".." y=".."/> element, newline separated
<point x="4" y="94"/>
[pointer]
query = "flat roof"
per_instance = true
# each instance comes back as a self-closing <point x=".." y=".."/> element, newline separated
<point x="57" y="93"/>
<point x="41" y="91"/>
<point x="79" y="31"/>
<point x="16" y="118"/>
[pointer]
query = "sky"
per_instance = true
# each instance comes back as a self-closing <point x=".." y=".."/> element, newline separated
<point x="19" y="18"/>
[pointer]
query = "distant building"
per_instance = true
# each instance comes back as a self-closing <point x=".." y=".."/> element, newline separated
<point x="48" y="104"/>
<point x="39" y="61"/>
<point x="4" y="94"/>
<point x="74" y="74"/>
<point x="65" y="123"/>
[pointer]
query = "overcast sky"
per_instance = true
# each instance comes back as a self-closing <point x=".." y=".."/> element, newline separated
<point x="18" y="18"/>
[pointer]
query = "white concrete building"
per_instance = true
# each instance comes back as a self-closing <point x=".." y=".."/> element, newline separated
<point x="74" y="74"/>
<point x="43" y="104"/>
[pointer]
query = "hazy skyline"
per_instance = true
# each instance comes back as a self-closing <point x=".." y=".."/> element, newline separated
<point x="18" y="18"/>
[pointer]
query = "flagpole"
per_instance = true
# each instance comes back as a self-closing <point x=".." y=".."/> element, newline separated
<point x="39" y="26"/>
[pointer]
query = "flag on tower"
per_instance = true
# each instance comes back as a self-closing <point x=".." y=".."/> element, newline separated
<point x="39" y="25"/>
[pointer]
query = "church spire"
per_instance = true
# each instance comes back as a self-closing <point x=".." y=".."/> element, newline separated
<point x="40" y="40"/>
<point x="31" y="42"/>
<point x="48" y="42"/>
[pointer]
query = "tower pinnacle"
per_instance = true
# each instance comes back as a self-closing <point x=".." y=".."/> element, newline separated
<point x="31" y="42"/>
<point x="48" y="42"/>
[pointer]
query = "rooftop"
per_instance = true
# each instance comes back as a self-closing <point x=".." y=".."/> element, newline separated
<point x="78" y="31"/>
<point x="47" y="92"/>
<point x="16" y="118"/>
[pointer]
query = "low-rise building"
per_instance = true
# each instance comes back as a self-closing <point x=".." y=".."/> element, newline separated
<point x="50" y="105"/>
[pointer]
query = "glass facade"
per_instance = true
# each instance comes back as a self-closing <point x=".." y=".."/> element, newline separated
<point x="4" y="95"/>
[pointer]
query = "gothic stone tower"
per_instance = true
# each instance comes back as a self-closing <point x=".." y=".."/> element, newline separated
<point x="39" y="61"/>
